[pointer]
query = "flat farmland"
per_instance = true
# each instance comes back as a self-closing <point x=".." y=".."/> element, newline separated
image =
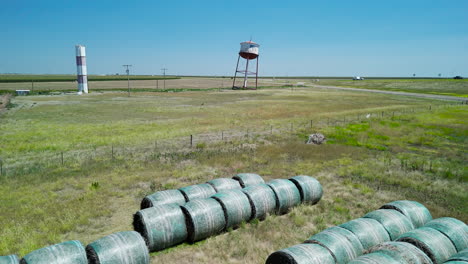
<point x="77" y="167"/>
<point x="182" y="83"/>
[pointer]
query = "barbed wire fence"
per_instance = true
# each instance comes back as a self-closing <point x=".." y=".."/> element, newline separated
<point x="189" y="146"/>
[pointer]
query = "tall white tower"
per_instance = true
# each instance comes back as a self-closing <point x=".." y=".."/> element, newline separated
<point x="248" y="51"/>
<point x="82" y="72"/>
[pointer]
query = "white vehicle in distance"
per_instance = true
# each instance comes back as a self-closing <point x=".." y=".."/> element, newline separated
<point x="358" y="78"/>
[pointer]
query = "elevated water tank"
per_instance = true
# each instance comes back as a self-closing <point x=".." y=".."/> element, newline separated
<point x="249" y="50"/>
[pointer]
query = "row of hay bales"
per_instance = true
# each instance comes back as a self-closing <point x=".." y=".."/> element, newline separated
<point x="164" y="224"/>
<point x="188" y="214"/>
<point x="442" y="240"/>
<point x="341" y="244"/>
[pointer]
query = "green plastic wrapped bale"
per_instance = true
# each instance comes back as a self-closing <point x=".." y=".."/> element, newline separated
<point x="236" y="207"/>
<point x="119" y="248"/>
<point x="416" y="212"/>
<point x="248" y="179"/>
<point x="163" y="197"/>
<point x="310" y="189"/>
<point x="286" y="193"/>
<point x="198" y="191"/>
<point x="11" y="259"/>
<point x="394" y="222"/>
<point x="262" y="200"/>
<point x="161" y="226"/>
<point x="204" y="218"/>
<point x="432" y="242"/>
<point x="70" y="252"/>
<point x="342" y="243"/>
<point x="455" y="262"/>
<point x="301" y="254"/>
<point x="223" y="184"/>
<point x="369" y="231"/>
<point x="375" y="258"/>
<point x="454" y="229"/>
<point x="460" y="256"/>
<point x="405" y="253"/>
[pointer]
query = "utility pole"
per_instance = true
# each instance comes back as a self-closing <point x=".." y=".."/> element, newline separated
<point x="164" y="74"/>
<point x="128" y="76"/>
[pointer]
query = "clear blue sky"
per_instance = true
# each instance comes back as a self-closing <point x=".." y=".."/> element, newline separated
<point x="327" y="38"/>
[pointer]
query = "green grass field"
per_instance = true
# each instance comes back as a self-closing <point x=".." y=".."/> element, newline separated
<point x="417" y="150"/>
<point x="428" y="86"/>
<point x="20" y="78"/>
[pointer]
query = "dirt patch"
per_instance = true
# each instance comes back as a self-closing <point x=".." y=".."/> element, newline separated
<point x="4" y="100"/>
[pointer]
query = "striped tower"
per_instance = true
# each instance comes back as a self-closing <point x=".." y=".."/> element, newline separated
<point x="82" y="72"/>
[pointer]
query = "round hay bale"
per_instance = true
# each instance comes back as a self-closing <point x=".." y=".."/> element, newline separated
<point x="222" y="184"/>
<point x="460" y="256"/>
<point x="163" y="197"/>
<point x="262" y="200"/>
<point x="11" y="259"/>
<point x="342" y="243"/>
<point x="416" y="212"/>
<point x="204" y="218"/>
<point x="403" y="252"/>
<point x="375" y="258"/>
<point x="119" y="248"/>
<point x="161" y="226"/>
<point x="248" y="179"/>
<point x="301" y="254"/>
<point x="310" y="189"/>
<point x="455" y="262"/>
<point x="394" y="222"/>
<point x="198" y="191"/>
<point x="432" y="242"/>
<point x="70" y="252"/>
<point x="236" y="207"/>
<point x="454" y="229"/>
<point x="369" y="231"/>
<point x="286" y="193"/>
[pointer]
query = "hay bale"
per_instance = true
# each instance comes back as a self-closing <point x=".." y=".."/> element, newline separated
<point x="11" y="259"/>
<point x="301" y="254"/>
<point x="454" y="229"/>
<point x="376" y="258"/>
<point x="204" y="218"/>
<point x="394" y="222"/>
<point x="222" y="184"/>
<point x="248" y="179"/>
<point x="416" y="212"/>
<point x="262" y="200"/>
<point x="119" y="248"/>
<point x="369" y="231"/>
<point x="342" y="243"/>
<point x="161" y="226"/>
<point x="163" y="197"/>
<point x="455" y="262"/>
<point x="310" y="189"/>
<point x="286" y="193"/>
<point x="70" y="252"/>
<point x="432" y="242"/>
<point x="460" y="256"/>
<point x="198" y="191"/>
<point x="402" y="251"/>
<point x="236" y="207"/>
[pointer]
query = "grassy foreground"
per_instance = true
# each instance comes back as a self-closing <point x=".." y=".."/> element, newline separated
<point x="416" y="155"/>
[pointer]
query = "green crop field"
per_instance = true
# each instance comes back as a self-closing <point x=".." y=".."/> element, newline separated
<point x="77" y="167"/>
<point x="19" y="78"/>
<point x="427" y="86"/>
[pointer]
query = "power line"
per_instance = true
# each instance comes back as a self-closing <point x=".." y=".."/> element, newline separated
<point x="128" y="76"/>
<point x="164" y="74"/>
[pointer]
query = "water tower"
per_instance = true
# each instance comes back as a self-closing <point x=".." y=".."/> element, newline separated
<point x="248" y="51"/>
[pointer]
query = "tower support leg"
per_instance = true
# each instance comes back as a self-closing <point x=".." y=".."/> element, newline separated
<point x="235" y="73"/>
